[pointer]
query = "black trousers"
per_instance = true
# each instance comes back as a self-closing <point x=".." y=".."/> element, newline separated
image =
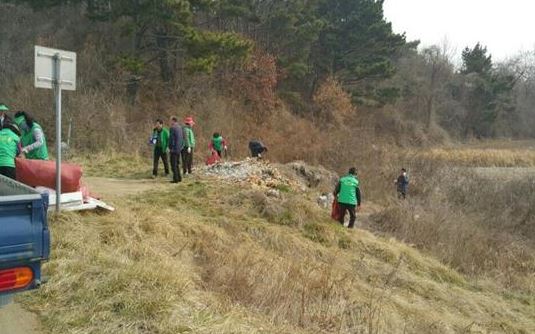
<point x="10" y="172"/>
<point x="352" y="214"/>
<point x="187" y="160"/>
<point x="160" y="154"/>
<point x="175" y="161"/>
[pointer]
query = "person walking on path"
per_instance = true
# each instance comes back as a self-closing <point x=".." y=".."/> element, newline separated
<point x="402" y="184"/>
<point x="218" y="144"/>
<point x="189" y="145"/>
<point x="33" y="138"/>
<point x="176" y="144"/>
<point x="160" y="140"/>
<point x="257" y="148"/>
<point x="348" y="194"/>
<point x="9" y="149"/>
<point x="4" y="118"/>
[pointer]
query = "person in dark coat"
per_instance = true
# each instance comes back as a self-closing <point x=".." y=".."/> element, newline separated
<point x="176" y="144"/>
<point x="402" y="184"/>
<point x="257" y="148"/>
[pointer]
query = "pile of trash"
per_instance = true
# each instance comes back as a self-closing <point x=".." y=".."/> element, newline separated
<point x="255" y="172"/>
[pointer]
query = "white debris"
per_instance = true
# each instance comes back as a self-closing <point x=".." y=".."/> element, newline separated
<point x="325" y="199"/>
<point x="256" y="172"/>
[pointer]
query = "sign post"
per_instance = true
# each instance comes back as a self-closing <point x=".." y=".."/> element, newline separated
<point x="56" y="69"/>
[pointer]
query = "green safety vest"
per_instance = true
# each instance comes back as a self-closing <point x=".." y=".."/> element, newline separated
<point x="189" y="137"/>
<point x="348" y="190"/>
<point x="40" y="153"/>
<point x="164" y="139"/>
<point x="8" y="148"/>
<point x="217" y="142"/>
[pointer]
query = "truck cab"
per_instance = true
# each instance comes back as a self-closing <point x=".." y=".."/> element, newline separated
<point x="24" y="237"/>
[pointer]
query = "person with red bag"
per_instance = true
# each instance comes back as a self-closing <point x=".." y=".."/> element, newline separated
<point x="336" y="211"/>
<point x="218" y="144"/>
<point x="347" y="194"/>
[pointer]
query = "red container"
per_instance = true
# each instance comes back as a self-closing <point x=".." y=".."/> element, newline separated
<point x="43" y="173"/>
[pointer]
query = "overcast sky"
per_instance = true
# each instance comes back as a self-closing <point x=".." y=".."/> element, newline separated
<point x="504" y="26"/>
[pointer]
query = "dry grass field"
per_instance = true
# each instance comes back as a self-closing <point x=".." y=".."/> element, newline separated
<point x="210" y="256"/>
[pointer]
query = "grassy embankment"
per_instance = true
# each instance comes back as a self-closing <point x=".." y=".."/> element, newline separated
<point x="214" y="257"/>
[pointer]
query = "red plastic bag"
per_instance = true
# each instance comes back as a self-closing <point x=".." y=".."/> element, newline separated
<point x="336" y="211"/>
<point x="213" y="159"/>
<point x="43" y="173"/>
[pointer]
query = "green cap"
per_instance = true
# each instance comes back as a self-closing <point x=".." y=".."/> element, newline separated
<point x="3" y="107"/>
<point x="19" y="120"/>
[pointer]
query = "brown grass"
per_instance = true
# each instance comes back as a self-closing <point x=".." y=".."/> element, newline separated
<point x="479" y="221"/>
<point x="473" y="157"/>
<point x="210" y="258"/>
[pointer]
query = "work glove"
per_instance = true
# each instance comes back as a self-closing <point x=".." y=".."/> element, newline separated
<point x="225" y="148"/>
<point x="259" y="155"/>
<point x="25" y="150"/>
<point x="189" y="149"/>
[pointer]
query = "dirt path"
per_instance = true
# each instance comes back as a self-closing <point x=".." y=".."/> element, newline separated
<point x="16" y="320"/>
<point x="109" y="188"/>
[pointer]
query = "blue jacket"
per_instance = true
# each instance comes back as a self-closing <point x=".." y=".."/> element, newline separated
<point x="176" y="139"/>
<point x="403" y="183"/>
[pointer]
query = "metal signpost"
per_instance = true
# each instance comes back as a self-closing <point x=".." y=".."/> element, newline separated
<point x="56" y="69"/>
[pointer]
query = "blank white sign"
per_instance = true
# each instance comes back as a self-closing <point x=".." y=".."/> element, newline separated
<point x="45" y="68"/>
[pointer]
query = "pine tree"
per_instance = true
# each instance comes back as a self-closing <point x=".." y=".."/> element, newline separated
<point x="357" y="45"/>
<point x="476" y="60"/>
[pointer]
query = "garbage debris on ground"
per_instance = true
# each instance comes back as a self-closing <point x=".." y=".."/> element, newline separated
<point x="325" y="199"/>
<point x="255" y="172"/>
<point x="277" y="177"/>
<point x="75" y="201"/>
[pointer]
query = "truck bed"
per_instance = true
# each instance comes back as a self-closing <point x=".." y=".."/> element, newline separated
<point x="24" y="234"/>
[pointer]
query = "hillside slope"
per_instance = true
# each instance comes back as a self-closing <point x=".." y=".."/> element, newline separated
<point x="216" y="255"/>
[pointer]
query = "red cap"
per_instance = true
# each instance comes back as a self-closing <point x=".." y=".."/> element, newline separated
<point x="189" y="120"/>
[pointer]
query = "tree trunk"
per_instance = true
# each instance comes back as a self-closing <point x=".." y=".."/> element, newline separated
<point x="132" y="89"/>
<point x="430" y="111"/>
<point x="162" y="41"/>
<point x="431" y="98"/>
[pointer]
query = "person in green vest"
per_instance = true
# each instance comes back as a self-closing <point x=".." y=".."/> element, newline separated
<point x="160" y="140"/>
<point x="9" y="150"/>
<point x="218" y="144"/>
<point x="189" y="145"/>
<point x="4" y="118"/>
<point x="348" y="194"/>
<point x="33" y="138"/>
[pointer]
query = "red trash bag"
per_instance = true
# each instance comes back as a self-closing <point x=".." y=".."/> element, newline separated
<point x="42" y="173"/>
<point x="213" y="159"/>
<point x="336" y="211"/>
